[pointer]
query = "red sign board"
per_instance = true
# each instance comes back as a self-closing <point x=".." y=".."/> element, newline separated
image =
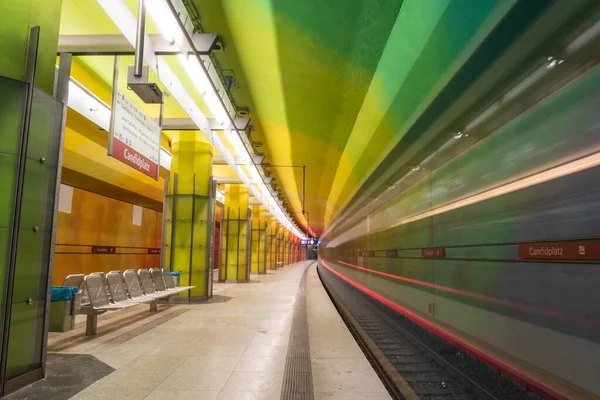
<point x="153" y="251"/>
<point x="104" y="249"/>
<point x="433" y="252"/>
<point x="574" y="250"/>
<point x="391" y="253"/>
<point x="134" y="159"/>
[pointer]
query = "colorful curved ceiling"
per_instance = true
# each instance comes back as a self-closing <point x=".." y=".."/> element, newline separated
<point x="333" y="85"/>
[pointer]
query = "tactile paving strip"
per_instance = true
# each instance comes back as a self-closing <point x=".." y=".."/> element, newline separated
<point x="297" y="378"/>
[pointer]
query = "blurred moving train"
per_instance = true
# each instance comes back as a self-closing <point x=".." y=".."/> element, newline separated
<point x="483" y="223"/>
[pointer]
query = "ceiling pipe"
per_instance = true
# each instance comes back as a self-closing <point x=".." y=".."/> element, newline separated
<point x="140" y="35"/>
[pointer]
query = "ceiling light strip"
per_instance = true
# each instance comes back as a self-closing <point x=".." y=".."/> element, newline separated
<point x="125" y="21"/>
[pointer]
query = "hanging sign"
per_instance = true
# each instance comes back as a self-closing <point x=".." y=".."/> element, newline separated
<point x="135" y="138"/>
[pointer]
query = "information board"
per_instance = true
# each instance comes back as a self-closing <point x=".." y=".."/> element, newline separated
<point x="135" y="138"/>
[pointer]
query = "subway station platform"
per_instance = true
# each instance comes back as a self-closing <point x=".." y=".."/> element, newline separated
<point x="252" y="341"/>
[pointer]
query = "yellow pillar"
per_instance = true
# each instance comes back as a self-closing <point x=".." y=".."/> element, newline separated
<point x="294" y="252"/>
<point x="235" y="246"/>
<point x="187" y="210"/>
<point x="286" y="248"/>
<point x="271" y="242"/>
<point x="258" y="240"/>
<point x="279" y="244"/>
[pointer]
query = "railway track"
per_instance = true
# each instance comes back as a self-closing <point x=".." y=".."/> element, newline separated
<point x="412" y="362"/>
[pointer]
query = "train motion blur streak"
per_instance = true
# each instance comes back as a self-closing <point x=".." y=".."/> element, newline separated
<point x="514" y="304"/>
<point x="521" y="172"/>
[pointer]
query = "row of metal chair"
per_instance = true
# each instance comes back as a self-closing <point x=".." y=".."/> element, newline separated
<point x="126" y="290"/>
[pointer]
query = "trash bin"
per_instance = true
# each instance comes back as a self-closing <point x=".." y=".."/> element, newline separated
<point x="66" y="303"/>
<point x="176" y="277"/>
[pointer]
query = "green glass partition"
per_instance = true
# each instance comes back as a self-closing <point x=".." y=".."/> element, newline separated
<point x="12" y="107"/>
<point x="25" y="340"/>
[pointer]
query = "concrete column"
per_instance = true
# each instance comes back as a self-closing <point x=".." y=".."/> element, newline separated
<point x="258" y="240"/>
<point x="187" y="211"/>
<point x="235" y="226"/>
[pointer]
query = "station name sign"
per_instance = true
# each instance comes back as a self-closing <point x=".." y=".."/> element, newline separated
<point x="135" y="138"/>
<point x="433" y="252"/>
<point x="573" y="250"/>
<point x="104" y="249"/>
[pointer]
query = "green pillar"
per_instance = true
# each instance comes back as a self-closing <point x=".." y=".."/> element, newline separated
<point x="22" y="354"/>
<point x="17" y="17"/>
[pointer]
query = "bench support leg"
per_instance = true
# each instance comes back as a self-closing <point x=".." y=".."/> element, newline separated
<point x="153" y="307"/>
<point x="91" y="325"/>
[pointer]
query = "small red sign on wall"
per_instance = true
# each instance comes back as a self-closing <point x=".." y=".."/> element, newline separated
<point x="575" y="250"/>
<point x="153" y="251"/>
<point x="391" y="253"/>
<point x="104" y="249"/>
<point x="433" y="252"/>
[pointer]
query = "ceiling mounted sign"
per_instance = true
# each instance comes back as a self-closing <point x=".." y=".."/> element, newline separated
<point x="135" y="138"/>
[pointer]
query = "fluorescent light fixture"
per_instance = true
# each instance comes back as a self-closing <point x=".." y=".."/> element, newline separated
<point x="254" y="174"/>
<point x="240" y="149"/>
<point x="165" y="159"/>
<point x="165" y="20"/>
<point x="220" y="197"/>
<point x="195" y="73"/>
<point x="87" y="104"/>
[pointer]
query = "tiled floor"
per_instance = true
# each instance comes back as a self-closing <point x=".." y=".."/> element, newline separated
<point x="232" y="349"/>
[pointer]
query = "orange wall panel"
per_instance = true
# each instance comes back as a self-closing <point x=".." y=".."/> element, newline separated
<point x="96" y="220"/>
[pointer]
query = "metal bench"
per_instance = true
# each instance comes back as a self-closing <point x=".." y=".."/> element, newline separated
<point x="99" y="303"/>
<point x="135" y="290"/>
<point x="118" y="290"/>
<point x="168" y="278"/>
<point x="159" y="282"/>
<point x="148" y="285"/>
<point x="75" y="280"/>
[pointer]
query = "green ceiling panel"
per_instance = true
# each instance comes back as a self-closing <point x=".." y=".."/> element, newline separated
<point x="426" y="48"/>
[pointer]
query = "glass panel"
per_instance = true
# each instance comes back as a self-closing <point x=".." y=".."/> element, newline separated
<point x="12" y="103"/>
<point x="31" y="273"/>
